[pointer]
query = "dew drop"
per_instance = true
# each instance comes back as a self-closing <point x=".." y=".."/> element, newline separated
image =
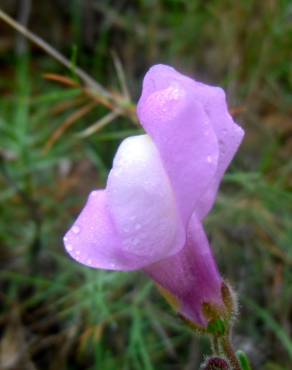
<point x="175" y="94"/>
<point x="209" y="159"/>
<point x="117" y="172"/>
<point x="89" y="261"/>
<point x="65" y="239"/>
<point x="69" y="247"/>
<point x="77" y="253"/>
<point x="76" y="229"/>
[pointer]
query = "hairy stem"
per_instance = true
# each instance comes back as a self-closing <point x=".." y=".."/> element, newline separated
<point x="230" y="353"/>
<point x="215" y="345"/>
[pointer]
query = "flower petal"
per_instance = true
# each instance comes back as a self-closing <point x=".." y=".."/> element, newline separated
<point x="93" y="240"/>
<point x="142" y="203"/>
<point x="213" y="100"/>
<point x="229" y="136"/>
<point x="182" y="132"/>
<point x="191" y="276"/>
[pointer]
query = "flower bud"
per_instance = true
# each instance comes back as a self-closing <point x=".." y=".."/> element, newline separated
<point x="215" y="363"/>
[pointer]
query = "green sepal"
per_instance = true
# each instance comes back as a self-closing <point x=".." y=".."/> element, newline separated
<point x="243" y="360"/>
<point x="217" y="327"/>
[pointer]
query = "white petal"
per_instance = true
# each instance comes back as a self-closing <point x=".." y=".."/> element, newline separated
<point x="142" y="203"/>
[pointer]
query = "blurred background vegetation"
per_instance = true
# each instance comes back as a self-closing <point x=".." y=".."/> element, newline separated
<point x="57" y="141"/>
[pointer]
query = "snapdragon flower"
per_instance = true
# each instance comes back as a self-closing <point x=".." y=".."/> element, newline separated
<point x="161" y="187"/>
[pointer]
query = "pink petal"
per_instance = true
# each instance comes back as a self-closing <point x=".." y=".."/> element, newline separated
<point x="191" y="276"/>
<point x="135" y="221"/>
<point x="229" y="136"/>
<point x="213" y="100"/>
<point x="142" y="202"/>
<point x="93" y="240"/>
<point x="181" y="130"/>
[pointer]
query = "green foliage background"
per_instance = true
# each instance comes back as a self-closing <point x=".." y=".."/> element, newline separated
<point x="56" y="314"/>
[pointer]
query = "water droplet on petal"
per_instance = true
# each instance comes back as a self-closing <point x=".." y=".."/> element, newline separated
<point x="76" y="229"/>
<point x="69" y="247"/>
<point x="209" y="159"/>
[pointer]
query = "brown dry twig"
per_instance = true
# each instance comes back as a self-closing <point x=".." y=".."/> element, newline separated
<point x="74" y="117"/>
<point x="87" y="79"/>
<point x="90" y="87"/>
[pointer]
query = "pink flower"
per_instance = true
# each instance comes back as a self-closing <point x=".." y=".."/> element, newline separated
<point x="159" y="190"/>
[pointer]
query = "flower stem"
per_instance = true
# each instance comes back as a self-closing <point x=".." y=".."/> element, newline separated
<point x="230" y="354"/>
<point x="215" y="345"/>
